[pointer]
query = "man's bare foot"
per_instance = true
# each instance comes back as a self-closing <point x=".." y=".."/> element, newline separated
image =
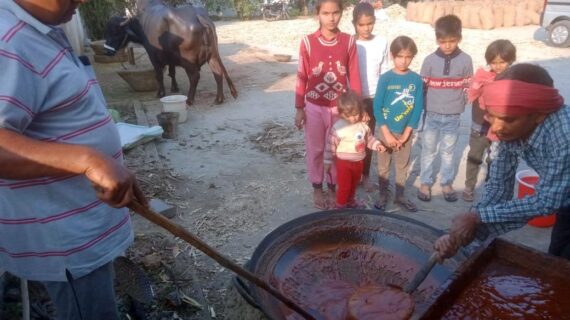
<point x="319" y="200"/>
<point x="367" y="184"/>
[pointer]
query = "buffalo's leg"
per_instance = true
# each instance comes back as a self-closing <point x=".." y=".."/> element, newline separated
<point x="193" y="73"/>
<point x="172" y="74"/>
<point x="159" y="73"/>
<point x="216" y="66"/>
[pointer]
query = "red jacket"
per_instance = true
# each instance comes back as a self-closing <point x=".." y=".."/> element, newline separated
<point x="326" y="67"/>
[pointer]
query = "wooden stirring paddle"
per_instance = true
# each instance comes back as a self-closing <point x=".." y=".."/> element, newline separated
<point x="183" y="234"/>
<point x="421" y="274"/>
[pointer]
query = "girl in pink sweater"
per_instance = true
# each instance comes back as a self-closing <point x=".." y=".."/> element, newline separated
<point x="328" y="64"/>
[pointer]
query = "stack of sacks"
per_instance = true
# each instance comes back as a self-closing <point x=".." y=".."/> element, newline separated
<point x="479" y="14"/>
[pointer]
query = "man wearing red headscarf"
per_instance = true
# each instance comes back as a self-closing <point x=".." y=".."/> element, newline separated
<point x="529" y="118"/>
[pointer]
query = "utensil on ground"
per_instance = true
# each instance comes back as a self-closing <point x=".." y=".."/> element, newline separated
<point x="421" y="274"/>
<point x="183" y="234"/>
<point x="133" y="280"/>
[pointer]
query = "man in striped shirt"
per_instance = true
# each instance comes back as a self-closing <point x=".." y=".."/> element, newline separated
<point x="530" y="119"/>
<point x="61" y="171"/>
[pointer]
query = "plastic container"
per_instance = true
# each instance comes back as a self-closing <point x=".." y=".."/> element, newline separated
<point x="175" y="103"/>
<point x="526" y="180"/>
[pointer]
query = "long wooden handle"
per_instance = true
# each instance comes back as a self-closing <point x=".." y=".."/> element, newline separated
<point x="421" y="274"/>
<point x="183" y="234"/>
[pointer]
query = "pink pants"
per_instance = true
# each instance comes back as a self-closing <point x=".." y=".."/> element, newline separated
<point x="318" y="121"/>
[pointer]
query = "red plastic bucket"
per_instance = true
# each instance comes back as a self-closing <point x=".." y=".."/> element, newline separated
<point x="526" y="180"/>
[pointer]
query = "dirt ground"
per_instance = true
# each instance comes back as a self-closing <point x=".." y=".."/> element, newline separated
<point x="236" y="170"/>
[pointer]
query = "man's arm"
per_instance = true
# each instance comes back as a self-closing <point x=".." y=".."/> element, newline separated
<point x="25" y="158"/>
<point x="22" y="157"/>
<point x="551" y="192"/>
<point x="501" y="182"/>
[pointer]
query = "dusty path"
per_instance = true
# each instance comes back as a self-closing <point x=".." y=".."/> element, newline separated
<point x="237" y="168"/>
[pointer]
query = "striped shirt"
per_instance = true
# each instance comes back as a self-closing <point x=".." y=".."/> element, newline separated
<point x="547" y="151"/>
<point x="51" y="224"/>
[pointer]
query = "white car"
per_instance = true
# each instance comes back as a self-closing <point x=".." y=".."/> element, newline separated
<point x="556" y="20"/>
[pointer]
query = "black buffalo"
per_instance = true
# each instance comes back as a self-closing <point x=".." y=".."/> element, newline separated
<point x="183" y="36"/>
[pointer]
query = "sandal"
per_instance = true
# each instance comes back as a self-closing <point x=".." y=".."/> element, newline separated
<point x="380" y="206"/>
<point x="382" y="201"/>
<point x="468" y="195"/>
<point x="406" y="204"/>
<point x="423" y="195"/>
<point x="448" y="193"/>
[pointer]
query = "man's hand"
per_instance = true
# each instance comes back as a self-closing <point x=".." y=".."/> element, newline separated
<point x="463" y="227"/>
<point x="300" y="118"/>
<point x="446" y="247"/>
<point x="380" y="147"/>
<point x="114" y="184"/>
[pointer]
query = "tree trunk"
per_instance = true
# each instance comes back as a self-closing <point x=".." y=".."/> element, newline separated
<point x="303" y="6"/>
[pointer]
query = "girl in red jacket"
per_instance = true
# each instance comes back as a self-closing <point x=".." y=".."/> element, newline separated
<point x="328" y="63"/>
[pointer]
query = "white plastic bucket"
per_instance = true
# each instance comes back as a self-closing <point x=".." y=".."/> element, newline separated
<point x="175" y="103"/>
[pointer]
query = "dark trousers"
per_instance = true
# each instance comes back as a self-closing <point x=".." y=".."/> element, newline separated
<point x="368" y="107"/>
<point x="93" y="294"/>
<point x="478" y="144"/>
<point x="560" y="238"/>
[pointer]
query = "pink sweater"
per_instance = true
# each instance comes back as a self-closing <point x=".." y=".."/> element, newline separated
<point x="326" y="67"/>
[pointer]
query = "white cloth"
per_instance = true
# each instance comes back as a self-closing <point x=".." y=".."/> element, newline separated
<point x="373" y="60"/>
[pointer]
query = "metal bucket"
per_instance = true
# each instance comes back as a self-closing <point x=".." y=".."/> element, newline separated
<point x="400" y="244"/>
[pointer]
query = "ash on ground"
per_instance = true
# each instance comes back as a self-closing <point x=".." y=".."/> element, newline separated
<point x="282" y="141"/>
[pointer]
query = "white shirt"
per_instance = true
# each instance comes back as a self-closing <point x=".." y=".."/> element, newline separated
<point x="373" y="60"/>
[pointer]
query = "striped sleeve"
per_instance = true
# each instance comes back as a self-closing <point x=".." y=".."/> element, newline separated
<point x="371" y="141"/>
<point x="18" y="92"/>
<point x="331" y="145"/>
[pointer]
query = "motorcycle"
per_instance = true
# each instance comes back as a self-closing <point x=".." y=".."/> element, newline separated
<point x="277" y="10"/>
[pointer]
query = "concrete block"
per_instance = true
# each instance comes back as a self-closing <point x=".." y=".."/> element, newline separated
<point x="163" y="208"/>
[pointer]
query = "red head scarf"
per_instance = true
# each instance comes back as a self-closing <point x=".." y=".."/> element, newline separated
<point x="515" y="98"/>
